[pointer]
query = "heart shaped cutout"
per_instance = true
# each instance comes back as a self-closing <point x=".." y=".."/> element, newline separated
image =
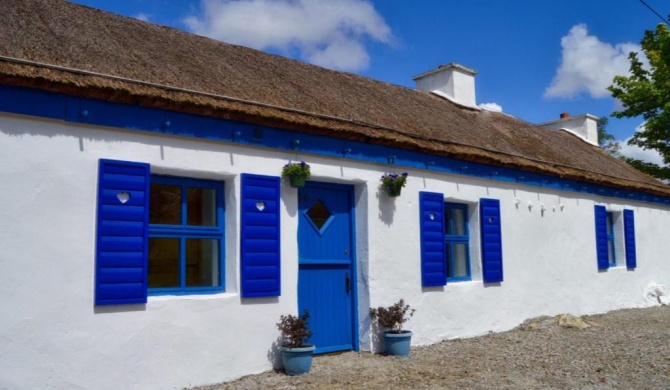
<point x="260" y="206"/>
<point x="123" y="197"/>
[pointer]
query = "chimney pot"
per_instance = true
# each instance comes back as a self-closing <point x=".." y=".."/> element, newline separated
<point x="565" y="115"/>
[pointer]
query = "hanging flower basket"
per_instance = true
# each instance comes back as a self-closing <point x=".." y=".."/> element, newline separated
<point x="297" y="181"/>
<point x="296" y="173"/>
<point x="392" y="184"/>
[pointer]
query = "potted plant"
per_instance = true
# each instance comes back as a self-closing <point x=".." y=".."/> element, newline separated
<point x="296" y="354"/>
<point x="396" y="340"/>
<point x="392" y="184"/>
<point x="296" y="173"/>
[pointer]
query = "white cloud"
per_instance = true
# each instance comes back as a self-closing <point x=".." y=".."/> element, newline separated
<point x="142" y="16"/>
<point x="588" y="65"/>
<point x="636" y="152"/>
<point x="495" y="107"/>
<point x="327" y="33"/>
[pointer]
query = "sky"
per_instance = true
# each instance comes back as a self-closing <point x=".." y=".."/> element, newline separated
<point x="534" y="58"/>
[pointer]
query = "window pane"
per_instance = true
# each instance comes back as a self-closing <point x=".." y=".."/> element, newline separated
<point x="460" y="260"/>
<point x="163" y="262"/>
<point x="447" y="221"/>
<point x="458" y="216"/>
<point x="202" y="264"/>
<point x="610" y="251"/>
<point x="319" y="214"/>
<point x="447" y="251"/>
<point x="609" y="224"/>
<point x="201" y="206"/>
<point x="165" y="204"/>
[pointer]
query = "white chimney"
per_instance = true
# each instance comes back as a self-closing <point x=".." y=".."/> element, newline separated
<point x="585" y="126"/>
<point x="452" y="81"/>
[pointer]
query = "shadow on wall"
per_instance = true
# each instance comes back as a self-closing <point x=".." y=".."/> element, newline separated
<point x="274" y="355"/>
<point x="387" y="208"/>
<point x="376" y="338"/>
<point x="83" y="134"/>
<point x="119" y="308"/>
<point x="289" y="199"/>
<point x="259" y="301"/>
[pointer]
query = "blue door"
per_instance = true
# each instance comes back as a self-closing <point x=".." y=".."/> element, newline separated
<point x="326" y="277"/>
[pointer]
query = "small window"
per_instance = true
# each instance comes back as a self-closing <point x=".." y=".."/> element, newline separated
<point x="457" y="241"/>
<point x="611" y="242"/>
<point x="185" y="236"/>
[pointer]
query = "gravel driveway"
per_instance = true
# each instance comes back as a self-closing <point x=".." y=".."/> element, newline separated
<point x="623" y="349"/>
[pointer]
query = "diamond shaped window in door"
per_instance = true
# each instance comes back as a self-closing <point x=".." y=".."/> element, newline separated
<point x="319" y="216"/>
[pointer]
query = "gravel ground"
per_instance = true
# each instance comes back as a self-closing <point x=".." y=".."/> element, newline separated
<point x="623" y="349"/>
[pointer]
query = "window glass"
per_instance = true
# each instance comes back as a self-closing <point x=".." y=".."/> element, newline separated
<point x="447" y="221"/>
<point x="457" y="241"/>
<point x="165" y="204"/>
<point x="609" y="223"/>
<point x="202" y="266"/>
<point x="185" y="236"/>
<point x="447" y="253"/>
<point x="460" y="260"/>
<point x="610" y="252"/>
<point x="163" y="262"/>
<point x="319" y="214"/>
<point x="201" y="206"/>
<point x="458" y="222"/>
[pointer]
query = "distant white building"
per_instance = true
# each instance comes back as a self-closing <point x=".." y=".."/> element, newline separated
<point x="148" y="241"/>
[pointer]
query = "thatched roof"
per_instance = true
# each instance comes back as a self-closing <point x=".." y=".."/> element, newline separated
<point x="59" y="46"/>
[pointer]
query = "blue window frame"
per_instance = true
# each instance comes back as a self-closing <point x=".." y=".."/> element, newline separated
<point x="611" y="250"/>
<point x="457" y="241"/>
<point x="186" y="236"/>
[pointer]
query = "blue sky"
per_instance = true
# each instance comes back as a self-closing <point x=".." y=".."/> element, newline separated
<point x="534" y="58"/>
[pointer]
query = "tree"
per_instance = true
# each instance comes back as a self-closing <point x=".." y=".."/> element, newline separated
<point x="606" y="140"/>
<point x="646" y="92"/>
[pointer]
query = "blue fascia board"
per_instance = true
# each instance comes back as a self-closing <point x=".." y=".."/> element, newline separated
<point x="34" y="102"/>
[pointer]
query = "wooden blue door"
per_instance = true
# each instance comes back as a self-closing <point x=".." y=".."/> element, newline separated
<point x="326" y="276"/>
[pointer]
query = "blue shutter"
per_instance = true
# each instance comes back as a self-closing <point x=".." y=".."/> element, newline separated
<point x="122" y="233"/>
<point x="491" y="230"/>
<point x="601" y="237"/>
<point x="260" y="246"/>
<point x="433" y="260"/>
<point x="629" y="237"/>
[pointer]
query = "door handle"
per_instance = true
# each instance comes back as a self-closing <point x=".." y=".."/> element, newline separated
<point x="347" y="283"/>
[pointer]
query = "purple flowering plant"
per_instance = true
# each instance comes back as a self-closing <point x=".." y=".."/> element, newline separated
<point x="296" y="169"/>
<point x="391" y="181"/>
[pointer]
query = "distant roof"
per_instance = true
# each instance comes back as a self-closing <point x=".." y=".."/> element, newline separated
<point x="60" y="46"/>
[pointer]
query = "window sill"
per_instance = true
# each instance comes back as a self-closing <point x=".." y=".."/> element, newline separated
<point x="461" y="282"/>
<point x="194" y="296"/>
<point x="618" y="267"/>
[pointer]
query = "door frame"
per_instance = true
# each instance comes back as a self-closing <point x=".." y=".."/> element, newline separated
<point x="351" y="190"/>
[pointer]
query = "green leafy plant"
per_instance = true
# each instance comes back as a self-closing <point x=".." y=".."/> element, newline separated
<point x="294" y="330"/>
<point x="392" y="317"/>
<point x="297" y="169"/>
<point x="392" y="182"/>
<point x="644" y="92"/>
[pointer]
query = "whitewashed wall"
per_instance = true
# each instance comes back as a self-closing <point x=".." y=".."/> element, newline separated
<point x="52" y="336"/>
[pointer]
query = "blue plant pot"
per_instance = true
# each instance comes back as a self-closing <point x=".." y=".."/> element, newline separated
<point x="397" y="344"/>
<point x="297" y="361"/>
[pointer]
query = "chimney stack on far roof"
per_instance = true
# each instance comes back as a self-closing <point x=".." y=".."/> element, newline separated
<point x="452" y="81"/>
<point x="585" y="126"/>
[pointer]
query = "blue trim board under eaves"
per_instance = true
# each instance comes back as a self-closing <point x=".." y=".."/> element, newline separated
<point x="28" y="101"/>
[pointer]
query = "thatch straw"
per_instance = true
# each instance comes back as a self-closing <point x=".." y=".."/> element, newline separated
<point x="155" y="66"/>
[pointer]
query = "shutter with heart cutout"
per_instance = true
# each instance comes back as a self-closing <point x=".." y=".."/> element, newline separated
<point x="122" y="233"/>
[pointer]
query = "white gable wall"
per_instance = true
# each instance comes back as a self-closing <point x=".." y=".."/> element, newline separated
<point x="52" y="335"/>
